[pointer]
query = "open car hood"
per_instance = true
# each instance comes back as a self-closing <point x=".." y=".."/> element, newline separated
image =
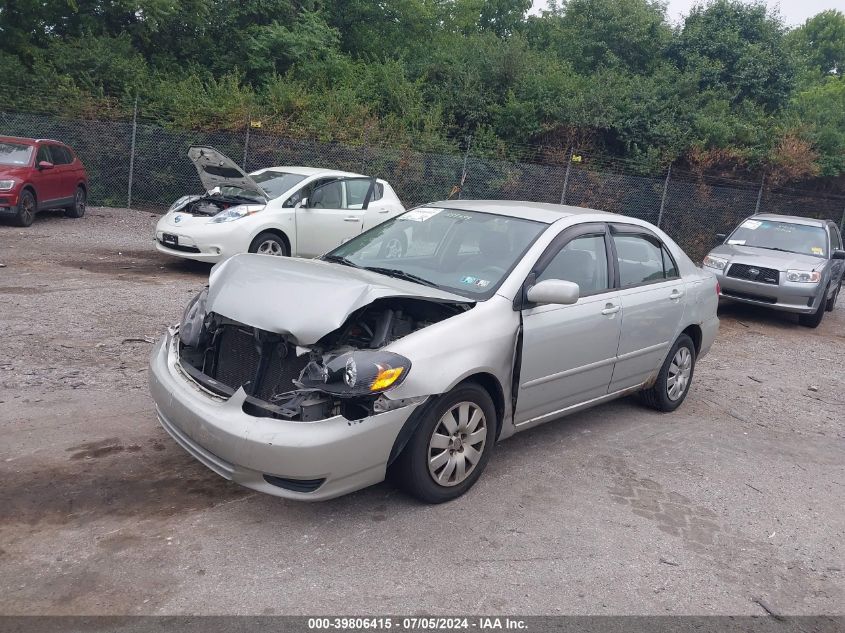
<point x="218" y="170"/>
<point x="304" y="299"/>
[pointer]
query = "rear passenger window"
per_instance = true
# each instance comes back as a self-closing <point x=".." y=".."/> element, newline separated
<point x="583" y="261"/>
<point x="642" y="260"/>
<point x="60" y="155"/>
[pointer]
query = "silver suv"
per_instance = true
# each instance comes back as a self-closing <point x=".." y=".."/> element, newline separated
<point x="782" y="262"/>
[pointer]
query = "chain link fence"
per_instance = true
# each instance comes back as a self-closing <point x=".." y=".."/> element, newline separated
<point x="136" y="164"/>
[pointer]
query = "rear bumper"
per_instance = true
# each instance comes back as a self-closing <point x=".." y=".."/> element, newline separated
<point x="786" y="296"/>
<point x="334" y="456"/>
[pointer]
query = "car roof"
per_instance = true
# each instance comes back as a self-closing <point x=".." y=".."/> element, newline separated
<point x="524" y="210"/>
<point x="30" y="141"/>
<point x="308" y="171"/>
<point x="795" y="219"/>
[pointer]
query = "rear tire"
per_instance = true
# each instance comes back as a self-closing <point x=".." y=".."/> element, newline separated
<point x="675" y="377"/>
<point x="80" y="200"/>
<point x="813" y="320"/>
<point x="27" y="207"/>
<point x="831" y="303"/>
<point x="450" y="447"/>
<point x="268" y="243"/>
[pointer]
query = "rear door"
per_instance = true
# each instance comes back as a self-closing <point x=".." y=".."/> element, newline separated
<point x="568" y="351"/>
<point x="334" y="213"/>
<point x="65" y="172"/>
<point x="652" y="295"/>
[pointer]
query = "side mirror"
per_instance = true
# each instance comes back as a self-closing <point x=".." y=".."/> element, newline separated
<point x="45" y="164"/>
<point x="838" y="254"/>
<point x="302" y="204"/>
<point x="721" y="236"/>
<point x="556" y="291"/>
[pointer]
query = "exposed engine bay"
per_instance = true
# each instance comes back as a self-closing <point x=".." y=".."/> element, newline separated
<point x="213" y="204"/>
<point x="343" y="373"/>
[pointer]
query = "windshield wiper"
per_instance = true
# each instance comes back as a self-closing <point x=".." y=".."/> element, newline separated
<point x="401" y="274"/>
<point x="339" y="259"/>
<point x="775" y="248"/>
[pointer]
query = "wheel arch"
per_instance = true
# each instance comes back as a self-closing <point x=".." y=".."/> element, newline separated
<point x="485" y="380"/>
<point x="275" y="231"/>
<point x="695" y="333"/>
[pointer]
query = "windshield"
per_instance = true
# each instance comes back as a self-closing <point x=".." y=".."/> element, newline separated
<point x="14" y="153"/>
<point x="466" y="252"/>
<point x="781" y="236"/>
<point x="275" y="183"/>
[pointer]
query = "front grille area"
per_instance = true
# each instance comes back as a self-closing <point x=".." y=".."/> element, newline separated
<point x="754" y="273"/>
<point x="260" y="362"/>
<point x="750" y="297"/>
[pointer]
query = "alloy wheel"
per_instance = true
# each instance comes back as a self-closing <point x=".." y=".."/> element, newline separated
<point x="80" y="202"/>
<point x="457" y="444"/>
<point x="270" y="247"/>
<point x="679" y="373"/>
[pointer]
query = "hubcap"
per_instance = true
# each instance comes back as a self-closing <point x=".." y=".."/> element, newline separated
<point x="457" y="444"/>
<point x="28" y="206"/>
<point x="270" y="247"/>
<point x="80" y="201"/>
<point x="393" y="249"/>
<point x="679" y="373"/>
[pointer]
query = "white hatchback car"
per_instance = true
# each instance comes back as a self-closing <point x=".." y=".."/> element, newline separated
<point x="302" y="211"/>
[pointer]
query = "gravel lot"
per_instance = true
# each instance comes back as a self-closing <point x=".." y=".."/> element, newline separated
<point x="734" y="500"/>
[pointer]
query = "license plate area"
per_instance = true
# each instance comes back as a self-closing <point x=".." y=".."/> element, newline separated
<point x="169" y="239"/>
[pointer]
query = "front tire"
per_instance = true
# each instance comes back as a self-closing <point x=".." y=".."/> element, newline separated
<point x="675" y="377"/>
<point x="26" y="209"/>
<point x="80" y="199"/>
<point x="268" y="243"/>
<point x="450" y="447"/>
<point x="814" y="320"/>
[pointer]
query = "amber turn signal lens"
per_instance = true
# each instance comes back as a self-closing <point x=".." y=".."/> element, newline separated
<point x="385" y="378"/>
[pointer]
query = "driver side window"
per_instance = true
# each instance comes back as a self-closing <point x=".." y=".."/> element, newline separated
<point x="583" y="261"/>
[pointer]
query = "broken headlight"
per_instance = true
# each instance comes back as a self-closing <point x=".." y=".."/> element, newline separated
<point x="190" y="329"/>
<point x="357" y="373"/>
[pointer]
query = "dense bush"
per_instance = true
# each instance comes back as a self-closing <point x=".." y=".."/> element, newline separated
<point x="730" y="87"/>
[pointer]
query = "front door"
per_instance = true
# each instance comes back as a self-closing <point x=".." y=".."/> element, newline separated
<point x="48" y="182"/>
<point x="652" y="296"/>
<point x="568" y="351"/>
<point x="334" y="213"/>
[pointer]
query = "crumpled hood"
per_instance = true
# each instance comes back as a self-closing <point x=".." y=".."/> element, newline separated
<point x="215" y="169"/>
<point x="304" y="299"/>
<point x="768" y="258"/>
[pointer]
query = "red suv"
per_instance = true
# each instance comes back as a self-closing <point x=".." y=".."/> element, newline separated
<point x="38" y="174"/>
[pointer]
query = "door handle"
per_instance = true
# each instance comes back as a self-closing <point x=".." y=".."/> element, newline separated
<point x="611" y="309"/>
<point x="676" y="294"/>
<point x="352" y="219"/>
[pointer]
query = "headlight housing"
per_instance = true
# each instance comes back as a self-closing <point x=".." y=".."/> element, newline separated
<point x="190" y="329"/>
<point x="718" y="263"/>
<point x="804" y="276"/>
<point x="6" y="185"/>
<point x="358" y="373"/>
<point x="234" y="213"/>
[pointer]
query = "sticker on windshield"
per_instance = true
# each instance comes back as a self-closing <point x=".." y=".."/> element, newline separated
<point x="420" y="215"/>
<point x="817" y="250"/>
<point x="475" y="281"/>
<point x="751" y="224"/>
<point x="737" y="242"/>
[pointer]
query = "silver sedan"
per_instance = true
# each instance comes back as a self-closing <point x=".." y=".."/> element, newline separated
<point x="309" y="379"/>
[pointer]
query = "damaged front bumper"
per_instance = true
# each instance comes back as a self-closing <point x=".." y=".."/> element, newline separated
<point x="298" y="460"/>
